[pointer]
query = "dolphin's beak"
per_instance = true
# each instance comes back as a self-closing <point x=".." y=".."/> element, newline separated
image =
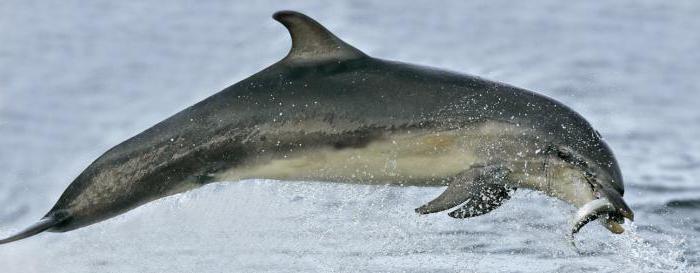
<point x="615" y="198"/>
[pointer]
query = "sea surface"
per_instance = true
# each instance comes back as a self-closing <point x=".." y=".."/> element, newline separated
<point x="78" y="77"/>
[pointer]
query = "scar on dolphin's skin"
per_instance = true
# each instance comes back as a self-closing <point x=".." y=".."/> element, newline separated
<point x="329" y="112"/>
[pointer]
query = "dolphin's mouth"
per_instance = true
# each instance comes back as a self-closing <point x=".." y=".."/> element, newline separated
<point x="608" y="203"/>
<point x="608" y="206"/>
<point x="601" y="209"/>
<point x="610" y="209"/>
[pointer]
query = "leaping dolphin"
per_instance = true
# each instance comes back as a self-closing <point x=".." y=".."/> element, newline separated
<point x="329" y="112"/>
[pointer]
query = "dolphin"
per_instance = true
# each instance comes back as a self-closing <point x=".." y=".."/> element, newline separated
<point x="329" y="112"/>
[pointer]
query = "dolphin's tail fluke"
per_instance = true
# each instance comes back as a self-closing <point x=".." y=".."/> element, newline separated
<point x="41" y="226"/>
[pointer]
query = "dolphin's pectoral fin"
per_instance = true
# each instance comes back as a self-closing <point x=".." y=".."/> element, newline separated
<point x="456" y="193"/>
<point x="491" y="197"/>
<point x="311" y="42"/>
<point x="469" y="185"/>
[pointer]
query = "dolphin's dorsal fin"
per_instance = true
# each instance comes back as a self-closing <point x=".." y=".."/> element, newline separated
<point x="311" y="42"/>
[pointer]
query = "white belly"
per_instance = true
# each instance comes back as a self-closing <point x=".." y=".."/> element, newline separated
<point x="423" y="158"/>
<point x="406" y="158"/>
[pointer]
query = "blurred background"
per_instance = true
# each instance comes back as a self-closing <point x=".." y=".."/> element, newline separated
<point x="78" y="77"/>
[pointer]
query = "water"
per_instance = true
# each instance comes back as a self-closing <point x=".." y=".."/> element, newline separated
<point x="78" y="77"/>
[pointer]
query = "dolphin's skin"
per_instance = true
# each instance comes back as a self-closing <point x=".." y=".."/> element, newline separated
<point x="329" y="112"/>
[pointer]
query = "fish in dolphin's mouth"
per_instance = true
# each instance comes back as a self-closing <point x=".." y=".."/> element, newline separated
<point x="610" y="213"/>
<point x="608" y="207"/>
<point x="329" y="112"/>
